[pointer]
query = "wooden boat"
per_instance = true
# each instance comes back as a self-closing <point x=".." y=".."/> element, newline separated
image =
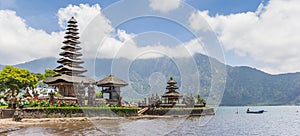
<point x="256" y="112"/>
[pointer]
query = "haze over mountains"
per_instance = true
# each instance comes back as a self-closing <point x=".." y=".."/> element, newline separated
<point x="243" y="85"/>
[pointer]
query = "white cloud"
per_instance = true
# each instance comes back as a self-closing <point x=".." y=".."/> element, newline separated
<point x="20" y="43"/>
<point x="93" y="26"/>
<point x="84" y="14"/>
<point x="269" y="35"/>
<point x="164" y="6"/>
<point x="100" y="40"/>
<point x="197" y="21"/>
<point x="127" y="48"/>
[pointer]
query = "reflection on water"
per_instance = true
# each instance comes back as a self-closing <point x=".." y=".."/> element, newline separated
<point x="277" y="121"/>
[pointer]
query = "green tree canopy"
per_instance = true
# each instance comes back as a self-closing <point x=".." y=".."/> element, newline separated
<point x="50" y="73"/>
<point x="47" y="73"/>
<point x="16" y="79"/>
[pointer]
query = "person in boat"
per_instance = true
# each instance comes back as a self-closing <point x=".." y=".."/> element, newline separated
<point x="248" y="110"/>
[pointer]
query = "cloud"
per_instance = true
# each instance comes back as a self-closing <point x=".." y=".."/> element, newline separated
<point x="268" y="35"/>
<point x="197" y="21"/>
<point x="100" y="40"/>
<point x="84" y="14"/>
<point x="164" y="6"/>
<point x="20" y="43"/>
<point x="93" y="26"/>
<point x="128" y="48"/>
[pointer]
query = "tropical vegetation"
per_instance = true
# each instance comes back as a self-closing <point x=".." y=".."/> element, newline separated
<point x="16" y="79"/>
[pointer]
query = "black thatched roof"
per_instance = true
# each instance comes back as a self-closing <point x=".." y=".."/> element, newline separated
<point x="72" y="21"/>
<point x="27" y="94"/>
<point x="111" y="81"/>
<point x="70" y="56"/>
<point x="68" y="79"/>
<point x="70" y="53"/>
<point x="173" y="87"/>
<point x="171" y="81"/>
<point x="68" y="68"/>
<point x="172" y="95"/>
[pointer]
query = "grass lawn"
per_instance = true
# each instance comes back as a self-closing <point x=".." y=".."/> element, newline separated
<point x="2" y="107"/>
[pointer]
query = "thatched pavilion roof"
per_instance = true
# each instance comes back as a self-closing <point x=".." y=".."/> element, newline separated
<point x="27" y="94"/>
<point x="171" y="81"/>
<point x="68" y="79"/>
<point x="172" y="95"/>
<point x="111" y="81"/>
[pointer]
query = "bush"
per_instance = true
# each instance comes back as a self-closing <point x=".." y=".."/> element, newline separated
<point x="2" y="103"/>
<point x="67" y="111"/>
<point x="57" y="94"/>
<point x="34" y="104"/>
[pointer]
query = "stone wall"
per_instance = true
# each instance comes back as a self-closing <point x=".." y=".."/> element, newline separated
<point x="43" y="113"/>
<point x="6" y="113"/>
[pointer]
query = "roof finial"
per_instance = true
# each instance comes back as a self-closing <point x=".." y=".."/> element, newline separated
<point x="72" y="20"/>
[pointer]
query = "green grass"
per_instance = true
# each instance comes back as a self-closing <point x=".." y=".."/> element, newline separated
<point x="2" y="107"/>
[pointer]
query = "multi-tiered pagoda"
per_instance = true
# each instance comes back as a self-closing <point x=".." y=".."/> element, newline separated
<point x="171" y="96"/>
<point x="69" y="68"/>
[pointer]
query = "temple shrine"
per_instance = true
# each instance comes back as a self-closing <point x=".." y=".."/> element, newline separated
<point x="171" y="96"/>
<point x="112" y="85"/>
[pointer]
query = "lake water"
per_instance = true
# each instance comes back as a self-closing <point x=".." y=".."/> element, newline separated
<point x="277" y="121"/>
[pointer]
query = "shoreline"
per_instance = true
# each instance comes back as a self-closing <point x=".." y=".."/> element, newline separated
<point x="7" y="125"/>
<point x="30" y="121"/>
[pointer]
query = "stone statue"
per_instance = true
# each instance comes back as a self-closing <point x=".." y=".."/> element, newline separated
<point x="18" y="115"/>
<point x="51" y="97"/>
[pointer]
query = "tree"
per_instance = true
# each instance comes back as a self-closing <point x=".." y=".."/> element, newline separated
<point x="50" y="73"/>
<point x="199" y="99"/>
<point x="16" y="79"/>
<point x="47" y="73"/>
<point x="99" y="94"/>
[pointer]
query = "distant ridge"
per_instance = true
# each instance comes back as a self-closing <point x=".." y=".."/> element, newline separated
<point x="244" y="85"/>
<point x="39" y="65"/>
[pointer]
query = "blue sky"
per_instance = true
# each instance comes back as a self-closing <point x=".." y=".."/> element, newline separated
<point x="42" y="14"/>
<point x="250" y="31"/>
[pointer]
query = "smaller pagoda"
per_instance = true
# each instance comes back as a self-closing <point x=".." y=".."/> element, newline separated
<point x="171" y="96"/>
<point x="112" y="85"/>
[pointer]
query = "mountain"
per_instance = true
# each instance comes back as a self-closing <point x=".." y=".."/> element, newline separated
<point x="39" y="65"/>
<point x="248" y="86"/>
<point x="243" y="85"/>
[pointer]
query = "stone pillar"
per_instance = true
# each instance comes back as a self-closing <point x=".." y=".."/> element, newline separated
<point x="80" y="96"/>
<point x="91" y="95"/>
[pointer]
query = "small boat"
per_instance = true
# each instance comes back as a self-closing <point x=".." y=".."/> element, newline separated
<point x="255" y="112"/>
